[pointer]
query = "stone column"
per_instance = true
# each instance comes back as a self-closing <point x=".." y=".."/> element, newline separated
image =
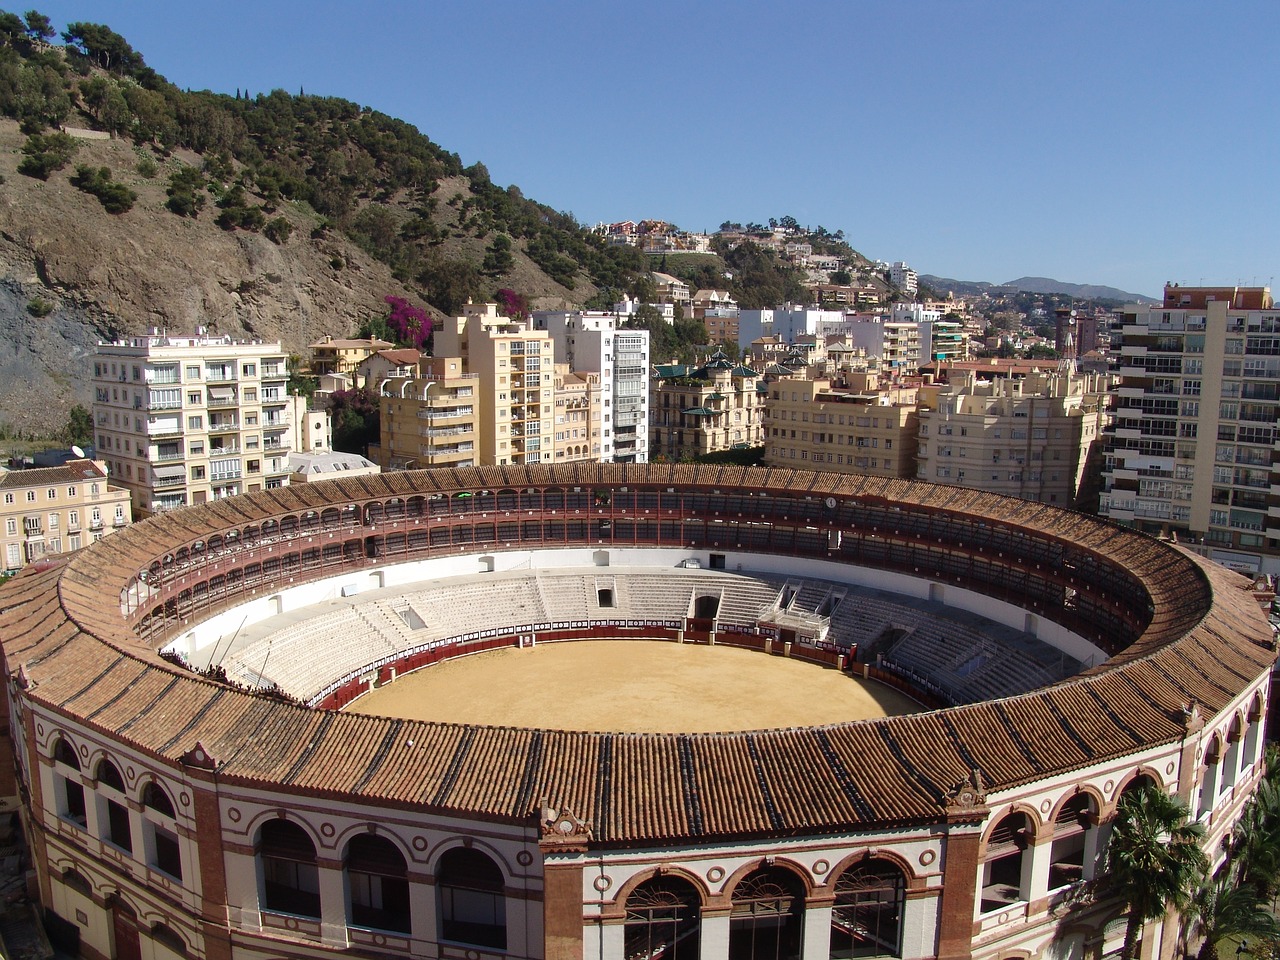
<point x="714" y="943"/>
<point x="817" y="930"/>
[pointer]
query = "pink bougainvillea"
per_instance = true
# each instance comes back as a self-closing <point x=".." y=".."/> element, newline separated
<point x="409" y="323"/>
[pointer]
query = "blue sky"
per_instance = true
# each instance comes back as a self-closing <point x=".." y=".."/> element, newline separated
<point x="1120" y="143"/>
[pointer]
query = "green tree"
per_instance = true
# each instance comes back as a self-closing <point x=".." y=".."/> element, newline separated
<point x="79" y="428"/>
<point x="498" y="258"/>
<point x="39" y="27"/>
<point x="43" y="153"/>
<point x="104" y="46"/>
<point x="1153" y="862"/>
<point x="186" y="191"/>
<point x="278" y="230"/>
<point x="115" y="197"/>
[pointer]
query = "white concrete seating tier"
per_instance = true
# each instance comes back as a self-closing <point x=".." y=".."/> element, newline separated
<point x="964" y="655"/>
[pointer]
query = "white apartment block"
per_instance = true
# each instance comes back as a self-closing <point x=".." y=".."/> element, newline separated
<point x="903" y="277"/>
<point x="594" y="342"/>
<point x="514" y="369"/>
<point x="1196" y="424"/>
<point x="787" y="322"/>
<point x="184" y="420"/>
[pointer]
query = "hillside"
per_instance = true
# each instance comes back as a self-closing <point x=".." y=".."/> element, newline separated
<point x="294" y="217"/>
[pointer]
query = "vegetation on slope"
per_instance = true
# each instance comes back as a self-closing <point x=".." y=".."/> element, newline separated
<point x="375" y="179"/>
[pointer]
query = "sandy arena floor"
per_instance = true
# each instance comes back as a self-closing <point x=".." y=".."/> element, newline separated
<point x="632" y="686"/>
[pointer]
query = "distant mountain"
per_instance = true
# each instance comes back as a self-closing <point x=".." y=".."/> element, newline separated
<point x="1085" y="291"/>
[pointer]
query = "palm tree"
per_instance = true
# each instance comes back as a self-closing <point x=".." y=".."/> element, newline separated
<point x="1254" y="847"/>
<point x="1153" y="862"/>
<point x="1223" y="909"/>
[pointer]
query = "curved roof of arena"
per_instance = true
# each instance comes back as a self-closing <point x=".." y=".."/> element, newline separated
<point x="1205" y="643"/>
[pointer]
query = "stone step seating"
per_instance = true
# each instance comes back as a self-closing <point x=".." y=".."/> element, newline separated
<point x="964" y="655"/>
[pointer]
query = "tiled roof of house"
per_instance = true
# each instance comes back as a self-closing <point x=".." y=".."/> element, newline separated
<point x="76" y="471"/>
<point x="1205" y="643"/>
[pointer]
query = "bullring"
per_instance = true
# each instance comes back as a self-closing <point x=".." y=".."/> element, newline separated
<point x="210" y="816"/>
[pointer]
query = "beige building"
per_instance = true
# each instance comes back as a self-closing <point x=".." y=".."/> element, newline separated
<point x="514" y="368"/>
<point x="183" y="420"/>
<point x="332" y="355"/>
<point x="53" y="510"/>
<point x="1027" y="437"/>
<point x="579" y="409"/>
<point x="432" y="419"/>
<point x="696" y="410"/>
<point x="852" y="427"/>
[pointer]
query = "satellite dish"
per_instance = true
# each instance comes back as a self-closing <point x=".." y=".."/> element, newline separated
<point x="78" y="452"/>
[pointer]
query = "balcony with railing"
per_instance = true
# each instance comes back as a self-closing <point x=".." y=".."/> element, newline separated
<point x="216" y="402"/>
<point x="220" y="374"/>
<point x="441" y="413"/>
<point x="162" y="483"/>
<point x="224" y="450"/>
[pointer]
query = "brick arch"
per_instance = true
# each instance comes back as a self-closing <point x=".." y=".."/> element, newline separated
<point x="995" y="819"/>
<point x="735" y="878"/>
<point x="343" y="838"/>
<point x="1141" y="771"/>
<point x="254" y="827"/>
<point x="1093" y="793"/>
<point x="615" y="909"/>
<point x="490" y="851"/>
<point x="870" y="855"/>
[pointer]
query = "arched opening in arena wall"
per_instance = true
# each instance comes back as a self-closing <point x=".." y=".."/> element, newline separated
<point x="1005" y="866"/>
<point x="473" y="908"/>
<point x="663" y="920"/>
<point x="1074" y="852"/>
<point x="866" y="919"/>
<point x="288" y="871"/>
<point x="377" y="882"/>
<point x="767" y="920"/>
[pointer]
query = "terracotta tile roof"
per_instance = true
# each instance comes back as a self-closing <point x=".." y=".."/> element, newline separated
<point x="1206" y="642"/>
<point x="75" y="471"/>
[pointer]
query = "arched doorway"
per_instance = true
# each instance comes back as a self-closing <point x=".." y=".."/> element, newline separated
<point x="124" y="931"/>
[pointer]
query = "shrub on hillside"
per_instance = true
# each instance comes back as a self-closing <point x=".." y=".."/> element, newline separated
<point x="114" y="196"/>
<point x="46" y="152"/>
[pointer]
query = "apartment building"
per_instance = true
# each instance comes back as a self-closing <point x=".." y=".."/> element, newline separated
<point x="1197" y="422"/>
<point x="431" y="419"/>
<point x="184" y="420"/>
<point x="903" y="277"/>
<point x="52" y="510"/>
<point x="1029" y="437"/>
<point x="579" y="412"/>
<point x="513" y="364"/>
<point x="809" y="423"/>
<point x="596" y="343"/>
<point x="697" y="410"/>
